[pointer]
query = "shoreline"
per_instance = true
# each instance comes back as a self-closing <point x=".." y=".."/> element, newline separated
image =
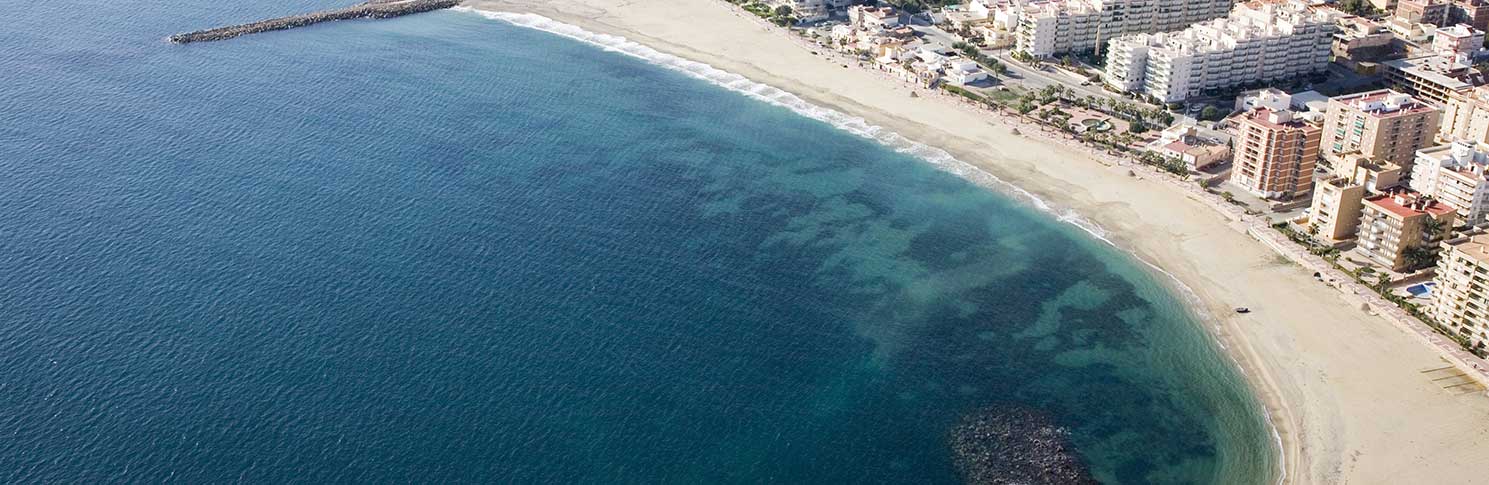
<point x="1312" y="441"/>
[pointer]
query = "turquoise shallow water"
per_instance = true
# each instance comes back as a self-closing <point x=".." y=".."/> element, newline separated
<point x="447" y="249"/>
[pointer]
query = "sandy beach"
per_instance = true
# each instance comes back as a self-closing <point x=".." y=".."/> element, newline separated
<point x="1346" y="390"/>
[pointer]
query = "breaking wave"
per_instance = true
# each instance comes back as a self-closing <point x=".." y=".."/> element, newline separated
<point x="770" y="94"/>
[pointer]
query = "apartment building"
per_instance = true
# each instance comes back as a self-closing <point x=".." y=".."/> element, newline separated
<point x="1474" y="13"/>
<point x="1258" y="41"/>
<point x="1454" y="174"/>
<point x="1460" y="300"/>
<point x="1433" y="79"/>
<point x="1384" y="125"/>
<point x="1360" y="39"/>
<point x="1400" y="228"/>
<point x="1274" y="153"/>
<point x="1338" y="202"/>
<point x="1458" y="40"/>
<point x="1051" y="28"/>
<point x="1335" y="212"/>
<point x="1433" y="12"/>
<point x="1466" y="116"/>
<point x="1440" y="13"/>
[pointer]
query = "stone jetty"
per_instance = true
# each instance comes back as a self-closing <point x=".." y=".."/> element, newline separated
<point x="375" y="9"/>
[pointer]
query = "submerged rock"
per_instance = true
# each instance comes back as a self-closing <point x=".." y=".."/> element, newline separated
<point x="1015" y="445"/>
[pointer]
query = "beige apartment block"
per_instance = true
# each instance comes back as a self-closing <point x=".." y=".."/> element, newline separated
<point x="1466" y="116"/>
<point x="1461" y="299"/>
<point x="1383" y="125"/>
<point x="1335" y="213"/>
<point x="1397" y="224"/>
<point x="1274" y="154"/>
<point x="1338" y="202"/>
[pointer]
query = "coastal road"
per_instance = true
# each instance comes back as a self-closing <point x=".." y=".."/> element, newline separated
<point x="1037" y="79"/>
<point x="1025" y="75"/>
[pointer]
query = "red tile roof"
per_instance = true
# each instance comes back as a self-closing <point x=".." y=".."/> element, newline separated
<point x="1388" y="202"/>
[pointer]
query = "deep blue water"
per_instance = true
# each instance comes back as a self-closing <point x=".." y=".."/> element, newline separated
<point x="446" y="249"/>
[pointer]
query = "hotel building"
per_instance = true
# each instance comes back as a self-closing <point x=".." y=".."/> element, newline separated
<point x="1050" y="28"/>
<point x="1454" y="174"/>
<point x="1461" y="299"/>
<point x="1394" y="224"/>
<point x="1258" y="41"/>
<point x="1274" y="153"/>
<point x="1384" y="125"/>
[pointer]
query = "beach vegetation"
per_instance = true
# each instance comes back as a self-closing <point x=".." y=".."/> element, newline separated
<point x="1173" y="165"/>
<point x="918" y="6"/>
<point x="1418" y="257"/>
<point x="987" y="62"/>
<point x="1211" y="113"/>
<point x="1361" y="8"/>
<point x="759" y="9"/>
<point x="1382" y="282"/>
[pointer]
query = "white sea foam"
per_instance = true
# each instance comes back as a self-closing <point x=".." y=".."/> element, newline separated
<point x="770" y="94"/>
<point x="857" y="126"/>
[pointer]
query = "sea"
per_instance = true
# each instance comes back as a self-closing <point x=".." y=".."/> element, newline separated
<point x="465" y="248"/>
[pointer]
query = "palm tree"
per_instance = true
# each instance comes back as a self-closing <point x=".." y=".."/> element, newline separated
<point x="1418" y="257"/>
<point x="1433" y="228"/>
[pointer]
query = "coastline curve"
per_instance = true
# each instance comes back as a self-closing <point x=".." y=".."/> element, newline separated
<point x="861" y="127"/>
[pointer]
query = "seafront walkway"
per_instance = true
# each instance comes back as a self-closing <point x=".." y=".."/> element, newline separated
<point x="1471" y="365"/>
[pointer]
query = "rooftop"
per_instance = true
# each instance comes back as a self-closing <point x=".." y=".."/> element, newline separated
<point x="1476" y="247"/>
<point x="1417" y="67"/>
<point x="1273" y="119"/>
<point x="1459" y="31"/>
<point x="1407" y="203"/>
<point x="1385" y="103"/>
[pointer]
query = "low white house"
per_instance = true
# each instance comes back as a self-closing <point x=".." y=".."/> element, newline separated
<point x="963" y="72"/>
<point x="1184" y="143"/>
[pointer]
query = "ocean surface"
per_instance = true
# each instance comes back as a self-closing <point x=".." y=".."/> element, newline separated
<point x="445" y="248"/>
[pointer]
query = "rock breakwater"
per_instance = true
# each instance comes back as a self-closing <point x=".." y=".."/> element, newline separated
<point x="375" y="9"/>
<point x="1015" y="445"/>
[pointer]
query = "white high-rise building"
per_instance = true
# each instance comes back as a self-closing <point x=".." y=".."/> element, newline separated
<point x="1052" y="27"/>
<point x="1454" y="174"/>
<point x="1258" y="41"/>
